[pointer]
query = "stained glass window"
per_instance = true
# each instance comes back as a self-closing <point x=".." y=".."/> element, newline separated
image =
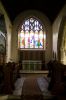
<point x="32" y="35"/>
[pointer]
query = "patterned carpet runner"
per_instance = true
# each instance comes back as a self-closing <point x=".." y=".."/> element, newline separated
<point x="31" y="90"/>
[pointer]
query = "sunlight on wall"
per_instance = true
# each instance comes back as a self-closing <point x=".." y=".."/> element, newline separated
<point x="64" y="59"/>
<point x="55" y="38"/>
<point x="63" y="48"/>
<point x="9" y="46"/>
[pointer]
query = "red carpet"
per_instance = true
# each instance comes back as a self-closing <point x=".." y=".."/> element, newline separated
<point x="30" y="90"/>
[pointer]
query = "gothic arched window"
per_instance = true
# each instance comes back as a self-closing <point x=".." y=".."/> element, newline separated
<point x="32" y="35"/>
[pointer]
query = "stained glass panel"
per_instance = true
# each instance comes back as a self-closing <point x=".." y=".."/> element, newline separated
<point x="44" y="40"/>
<point x="27" y="41"/>
<point x="41" y="39"/>
<point x="36" y="39"/>
<point x="31" y="39"/>
<point x="22" y="39"/>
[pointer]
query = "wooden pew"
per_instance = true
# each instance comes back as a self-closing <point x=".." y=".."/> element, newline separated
<point x="56" y="85"/>
<point x="1" y="78"/>
<point x="10" y="76"/>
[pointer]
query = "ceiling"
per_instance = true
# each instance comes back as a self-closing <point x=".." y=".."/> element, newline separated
<point x="48" y="7"/>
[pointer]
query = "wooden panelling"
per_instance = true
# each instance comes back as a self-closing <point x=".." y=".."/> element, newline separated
<point x="31" y="55"/>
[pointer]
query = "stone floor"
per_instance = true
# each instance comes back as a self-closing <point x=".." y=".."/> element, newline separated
<point x="18" y="86"/>
<point x="42" y="83"/>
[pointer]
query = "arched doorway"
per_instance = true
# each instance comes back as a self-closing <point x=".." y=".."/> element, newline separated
<point x="2" y="39"/>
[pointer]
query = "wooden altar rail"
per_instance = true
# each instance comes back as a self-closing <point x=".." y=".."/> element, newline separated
<point x="35" y="73"/>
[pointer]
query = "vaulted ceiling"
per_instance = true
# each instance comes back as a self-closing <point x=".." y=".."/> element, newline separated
<point x="50" y="8"/>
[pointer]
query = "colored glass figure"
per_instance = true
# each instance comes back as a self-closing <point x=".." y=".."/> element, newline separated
<point x="36" y="39"/>
<point x="31" y="39"/>
<point x="22" y="39"/>
<point x="41" y="39"/>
